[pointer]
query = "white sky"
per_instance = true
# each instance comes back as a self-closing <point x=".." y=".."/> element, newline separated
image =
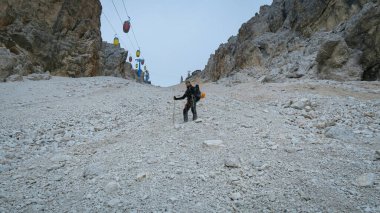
<point x="176" y="36"/>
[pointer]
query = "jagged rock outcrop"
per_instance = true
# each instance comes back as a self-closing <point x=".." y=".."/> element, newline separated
<point x="113" y="62"/>
<point x="324" y="39"/>
<point x="60" y="36"/>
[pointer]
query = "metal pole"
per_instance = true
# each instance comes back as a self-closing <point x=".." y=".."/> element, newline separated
<point x="140" y="67"/>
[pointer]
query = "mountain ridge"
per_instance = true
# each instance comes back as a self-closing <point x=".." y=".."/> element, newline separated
<point x="337" y="40"/>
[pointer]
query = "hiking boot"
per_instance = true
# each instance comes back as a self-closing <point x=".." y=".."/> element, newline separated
<point x="185" y="118"/>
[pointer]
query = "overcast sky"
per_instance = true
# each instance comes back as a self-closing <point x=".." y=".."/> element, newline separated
<point x="176" y="36"/>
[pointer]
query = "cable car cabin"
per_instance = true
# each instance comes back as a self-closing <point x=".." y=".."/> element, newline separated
<point x="130" y="59"/>
<point x="142" y="62"/>
<point x="116" y="42"/>
<point x="138" y="53"/>
<point x="137" y="66"/>
<point x="126" y="26"/>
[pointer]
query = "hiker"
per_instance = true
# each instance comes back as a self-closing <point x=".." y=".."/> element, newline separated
<point x="146" y="76"/>
<point x="191" y="101"/>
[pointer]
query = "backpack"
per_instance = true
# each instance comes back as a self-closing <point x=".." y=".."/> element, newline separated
<point x="197" y="93"/>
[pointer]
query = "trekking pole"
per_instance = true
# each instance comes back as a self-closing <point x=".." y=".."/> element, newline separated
<point x="173" y="112"/>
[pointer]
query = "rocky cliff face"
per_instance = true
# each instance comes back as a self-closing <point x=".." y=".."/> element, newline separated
<point x="327" y="39"/>
<point x="113" y="62"/>
<point x="60" y="36"/>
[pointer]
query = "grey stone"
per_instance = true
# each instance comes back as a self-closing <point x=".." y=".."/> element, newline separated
<point x="308" y="108"/>
<point x="58" y="178"/>
<point x="113" y="202"/>
<point x="113" y="62"/>
<point x="14" y="78"/>
<point x="263" y="167"/>
<point x="91" y="171"/>
<point x="173" y="199"/>
<point x="300" y="104"/>
<point x="274" y="147"/>
<point x="38" y="77"/>
<point x="325" y="124"/>
<point x="332" y="57"/>
<point x="365" y="180"/>
<point x="178" y="126"/>
<point x="141" y="176"/>
<point x="7" y="63"/>
<point x="235" y="196"/>
<point x="290" y="149"/>
<point x="263" y="79"/>
<point x="247" y="126"/>
<point x="198" y="120"/>
<point x="377" y="155"/>
<point x="232" y="163"/>
<point x="111" y="187"/>
<point x="257" y="163"/>
<point x="213" y="143"/>
<point x="99" y="128"/>
<point x="340" y="133"/>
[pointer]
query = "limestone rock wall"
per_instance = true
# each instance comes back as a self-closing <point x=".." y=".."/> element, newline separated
<point x="113" y="62"/>
<point x="60" y="36"/>
<point x="327" y="39"/>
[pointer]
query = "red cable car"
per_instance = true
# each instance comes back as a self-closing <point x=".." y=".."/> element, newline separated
<point x="126" y="26"/>
<point x="142" y="62"/>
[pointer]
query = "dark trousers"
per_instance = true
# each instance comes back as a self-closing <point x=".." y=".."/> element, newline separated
<point x="190" y="105"/>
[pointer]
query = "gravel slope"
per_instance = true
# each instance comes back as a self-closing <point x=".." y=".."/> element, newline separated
<point x="109" y="145"/>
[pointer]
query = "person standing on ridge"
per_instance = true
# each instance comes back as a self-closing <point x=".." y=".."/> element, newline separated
<point x="191" y="102"/>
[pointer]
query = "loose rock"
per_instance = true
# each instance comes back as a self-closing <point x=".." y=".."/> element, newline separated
<point x="14" y="78"/>
<point x="91" y="171"/>
<point x="235" y="196"/>
<point x="377" y="155"/>
<point x="198" y="120"/>
<point x="38" y="77"/>
<point x="141" y="176"/>
<point x="111" y="187"/>
<point x="366" y="180"/>
<point x="113" y="202"/>
<point x="232" y="163"/>
<point x="213" y="143"/>
<point x="340" y="133"/>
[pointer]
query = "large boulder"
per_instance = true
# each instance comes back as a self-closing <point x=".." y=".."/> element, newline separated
<point x="14" y="78"/>
<point x="337" y="61"/>
<point x="363" y="33"/>
<point x="7" y="63"/>
<point x="113" y="62"/>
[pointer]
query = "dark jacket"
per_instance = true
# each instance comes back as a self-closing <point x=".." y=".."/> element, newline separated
<point x="189" y="94"/>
